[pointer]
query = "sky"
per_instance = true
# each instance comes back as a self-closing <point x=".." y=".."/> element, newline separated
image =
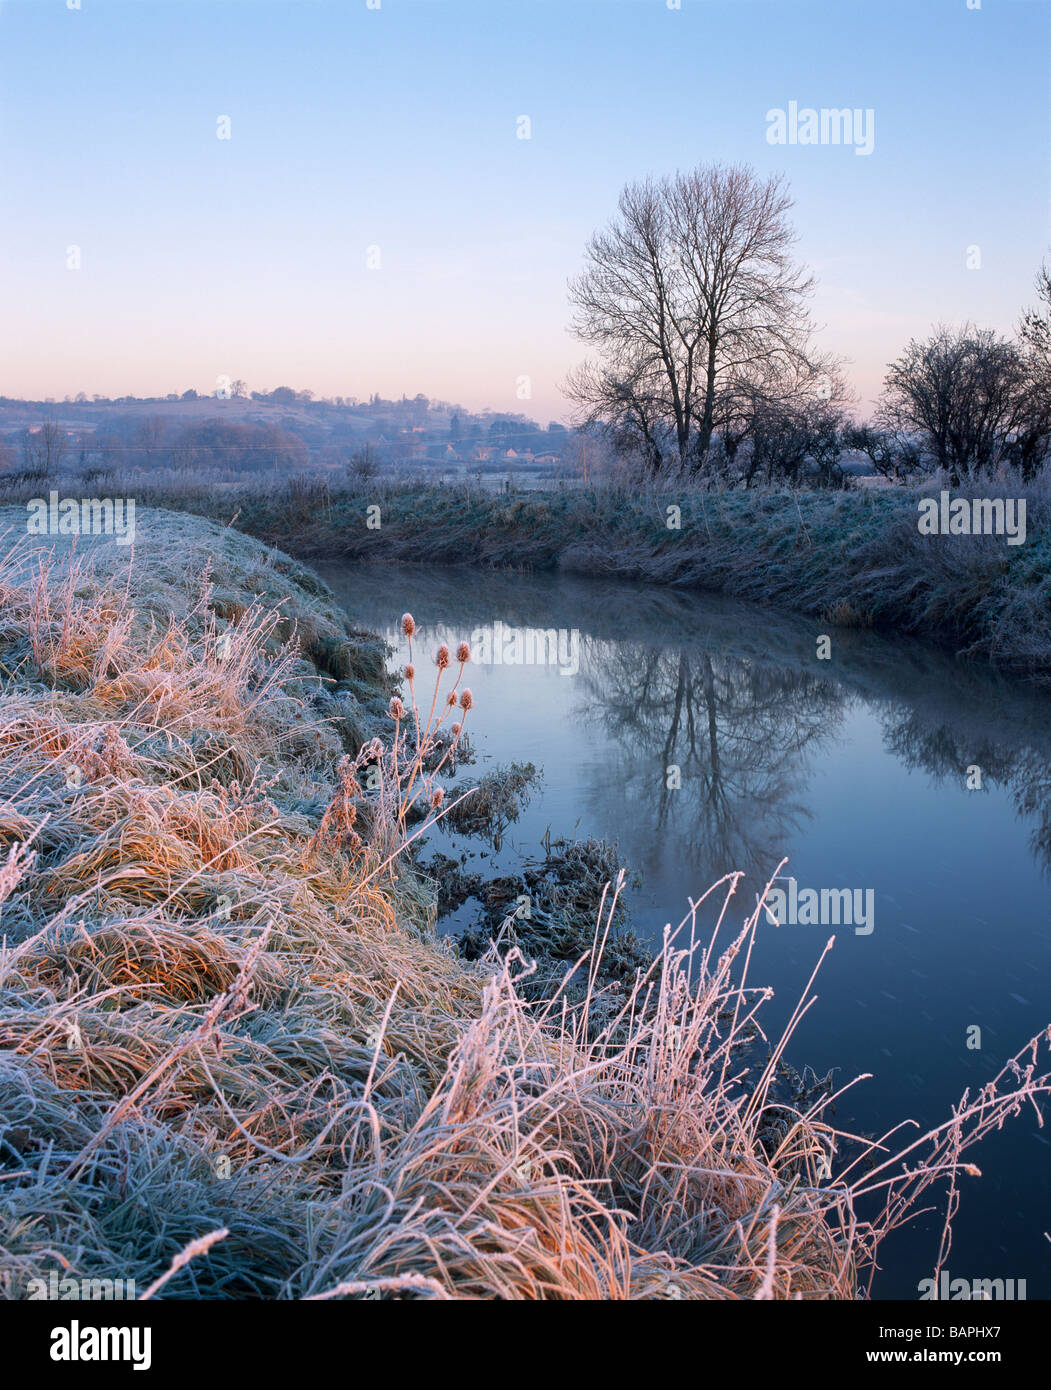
<point x="375" y="223"/>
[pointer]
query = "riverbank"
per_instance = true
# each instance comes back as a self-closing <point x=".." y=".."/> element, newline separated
<point x="845" y="559"/>
<point x="225" y="1017"/>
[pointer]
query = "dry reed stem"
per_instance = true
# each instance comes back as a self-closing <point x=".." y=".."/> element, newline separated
<point x="200" y="1246"/>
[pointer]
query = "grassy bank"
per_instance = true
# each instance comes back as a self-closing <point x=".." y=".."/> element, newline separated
<point x="232" y="1047"/>
<point x="852" y="558"/>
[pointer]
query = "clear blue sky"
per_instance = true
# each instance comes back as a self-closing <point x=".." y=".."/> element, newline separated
<point x="354" y="127"/>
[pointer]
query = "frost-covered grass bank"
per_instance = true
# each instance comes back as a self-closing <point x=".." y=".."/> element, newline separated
<point x="227" y="1028"/>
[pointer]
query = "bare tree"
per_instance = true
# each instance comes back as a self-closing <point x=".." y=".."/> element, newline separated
<point x="150" y="436"/>
<point x="689" y="296"/>
<point x="44" y="449"/>
<point x="1035" y="330"/>
<point x="785" y="424"/>
<point x="1035" y="335"/>
<point x="969" y="398"/>
<point x="892" y="454"/>
<point x="363" y="464"/>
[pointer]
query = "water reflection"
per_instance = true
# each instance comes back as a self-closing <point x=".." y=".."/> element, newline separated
<point x="949" y="753"/>
<point x="857" y="769"/>
<point x="733" y="697"/>
<point x="712" y="750"/>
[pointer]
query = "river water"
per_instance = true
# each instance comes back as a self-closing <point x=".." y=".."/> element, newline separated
<point x="704" y="736"/>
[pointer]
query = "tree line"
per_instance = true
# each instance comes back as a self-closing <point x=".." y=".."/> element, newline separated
<point x="151" y="441"/>
<point x="704" y="361"/>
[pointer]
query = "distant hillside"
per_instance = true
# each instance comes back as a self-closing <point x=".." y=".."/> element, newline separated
<point x="283" y="429"/>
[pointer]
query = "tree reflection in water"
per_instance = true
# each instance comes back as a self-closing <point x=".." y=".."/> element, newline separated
<point x="738" y="731"/>
<point x="735" y="697"/>
<point x="947" y="752"/>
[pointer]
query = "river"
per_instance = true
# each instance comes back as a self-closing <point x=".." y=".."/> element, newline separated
<point x="703" y="735"/>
